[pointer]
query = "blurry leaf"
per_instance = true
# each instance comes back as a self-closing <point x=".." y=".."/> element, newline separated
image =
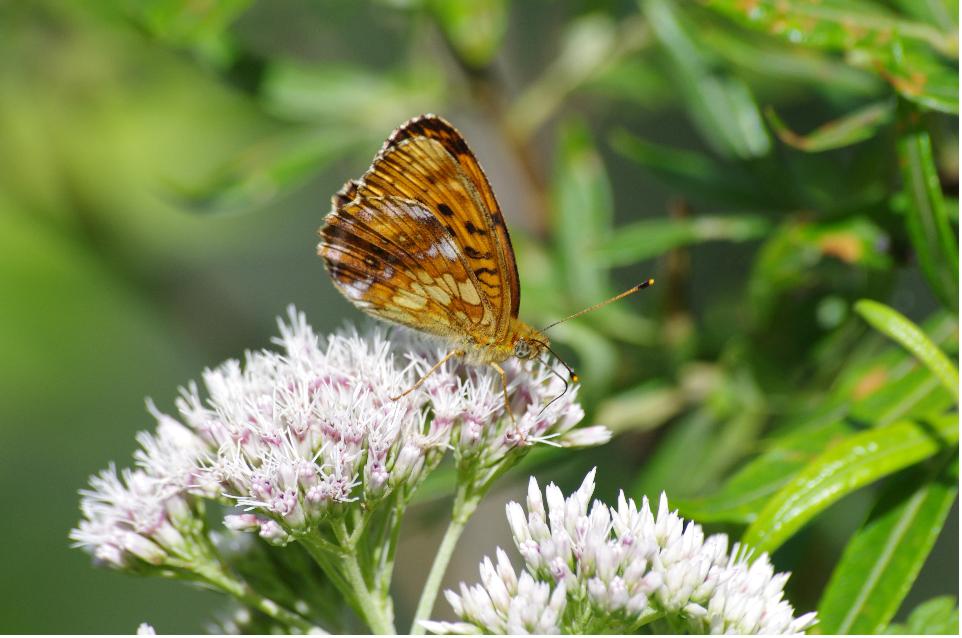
<point x="787" y="260"/>
<point x="590" y="45"/>
<point x="582" y="207"/>
<point x="938" y="616"/>
<point x="886" y="388"/>
<point x="745" y="493"/>
<point x="654" y="237"/>
<point x="896" y="49"/>
<point x="897" y="327"/>
<point x="636" y="79"/>
<point x="689" y="171"/>
<point x="935" y="243"/>
<point x="475" y="28"/>
<point x="845" y="467"/>
<point x="782" y="63"/>
<point x="642" y="408"/>
<point x="199" y="24"/>
<point x="267" y="169"/>
<point x="883" y="559"/>
<point x="721" y="105"/>
<point x="940" y="13"/>
<point x="597" y="357"/>
<point x="838" y="25"/>
<point x="372" y="101"/>
<point x="847" y="130"/>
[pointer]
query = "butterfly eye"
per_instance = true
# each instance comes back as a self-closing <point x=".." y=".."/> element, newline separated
<point x="522" y="349"/>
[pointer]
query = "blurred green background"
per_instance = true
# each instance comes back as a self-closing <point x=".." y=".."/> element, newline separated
<point x="165" y="164"/>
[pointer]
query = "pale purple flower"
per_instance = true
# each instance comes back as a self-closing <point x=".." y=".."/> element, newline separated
<point x="620" y="568"/>
<point x="295" y="436"/>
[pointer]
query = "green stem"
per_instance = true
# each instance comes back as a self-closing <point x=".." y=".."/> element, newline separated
<point x="464" y="506"/>
<point x="219" y="579"/>
<point x="345" y="572"/>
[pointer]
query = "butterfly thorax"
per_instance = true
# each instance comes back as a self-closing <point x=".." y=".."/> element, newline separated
<point x="522" y="341"/>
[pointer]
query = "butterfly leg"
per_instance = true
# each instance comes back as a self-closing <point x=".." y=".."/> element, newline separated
<point x="453" y="353"/>
<point x="504" y="388"/>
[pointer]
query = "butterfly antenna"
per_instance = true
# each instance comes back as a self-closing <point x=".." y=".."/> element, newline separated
<point x="563" y="380"/>
<point x="574" y="375"/>
<point x="645" y="284"/>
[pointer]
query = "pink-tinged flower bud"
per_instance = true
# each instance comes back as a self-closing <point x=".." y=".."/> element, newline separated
<point x="273" y="533"/>
<point x="242" y="522"/>
<point x="144" y="549"/>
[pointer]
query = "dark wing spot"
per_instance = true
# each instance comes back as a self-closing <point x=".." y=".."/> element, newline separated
<point x="471" y="228"/>
<point x="474" y="253"/>
<point x="445" y="210"/>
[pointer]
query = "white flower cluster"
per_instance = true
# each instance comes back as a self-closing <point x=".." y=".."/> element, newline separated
<point x="294" y="437"/>
<point x="608" y="570"/>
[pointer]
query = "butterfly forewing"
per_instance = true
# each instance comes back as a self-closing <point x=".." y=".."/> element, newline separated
<point x="419" y="239"/>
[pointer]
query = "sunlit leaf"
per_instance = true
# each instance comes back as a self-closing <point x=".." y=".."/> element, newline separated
<point x="720" y="105"/>
<point x="856" y="461"/>
<point x="883" y="559"/>
<point x="900" y="329"/>
<point x="850" y="129"/>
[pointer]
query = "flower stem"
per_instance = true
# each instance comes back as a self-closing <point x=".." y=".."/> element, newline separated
<point x="464" y="506"/>
<point x="343" y="569"/>
<point x="224" y="582"/>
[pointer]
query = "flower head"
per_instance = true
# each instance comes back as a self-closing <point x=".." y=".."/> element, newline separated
<point x="615" y="569"/>
<point x="295" y="436"/>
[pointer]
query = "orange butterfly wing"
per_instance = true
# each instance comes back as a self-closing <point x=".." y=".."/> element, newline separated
<point x="426" y="208"/>
<point x="393" y="259"/>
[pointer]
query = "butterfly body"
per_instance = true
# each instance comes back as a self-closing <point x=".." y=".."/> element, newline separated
<point x="420" y="240"/>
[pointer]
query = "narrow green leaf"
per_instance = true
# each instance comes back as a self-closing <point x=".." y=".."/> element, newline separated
<point x="897" y="327"/>
<point x="898" y="50"/>
<point x="838" y="25"/>
<point x="642" y="408"/>
<point x="849" y="465"/>
<point x="883" y="559"/>
<point x="265" y="170"/>
<point x="853" y="128"/>
<point x="935" y="243"/>
<point x="720" y="105"/>
<point x="690" y="172"/>
<point x="651" y="238"/>
<point x="583" y="212"/>
<point x="938" y="616"/>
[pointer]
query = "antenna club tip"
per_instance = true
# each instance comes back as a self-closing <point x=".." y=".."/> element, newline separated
<point x="575" y="378"/>
<point x="646" y="283"/>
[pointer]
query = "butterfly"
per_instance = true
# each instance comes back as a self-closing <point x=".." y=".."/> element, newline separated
<point x="420" y="240"/>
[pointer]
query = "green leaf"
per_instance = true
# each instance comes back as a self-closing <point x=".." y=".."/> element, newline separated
<point x="645" y="407"/>
<point x="838" y="25"/>
<point x="200" y="25"/>
<point x="850" y="129"/>
<point x="935" y="243"/>
<point x="849" y="465"/>
<point x="938" y="616"/>
<point x="897" y="327"/>
<point x="884" y="389"/>
<point x="745" y="493"/>
<point x="688" y="171"/>
<point x="899" y="50"/>
<point x="719" y="104"/>
<point x="265" y="170"/>
<point x="652" y="238"/>
<point x="582" y="213"/>
<point x="883" y="559"/>
<point x="475" y="28"/>
<point x="593" y="47"/>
